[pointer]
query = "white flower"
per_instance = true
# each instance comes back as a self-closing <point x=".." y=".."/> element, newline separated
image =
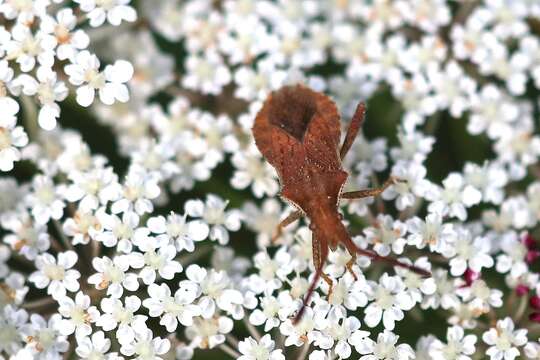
<point x="25" y="47"/>
<point x="366" y="156"/>
<point x="445" y="294"/>
<point x="384" y="348"/>
<point x="514" y="256"/>
<point x="217" y="291"/>
<point x="518" y="148"/>
<point x="82" y="227"/>
<point x="117" y="231"/>
<point x="532" y="350"/>
<point x="469" y="252"/>
<point x="457" y="348"/>
<point x="489" y="179"/>
<point x="455" y="197"/>
<point x="206" y="73"/>
<point x="79" y="315"/>
<point x="28" y="238"/>
<point x="432" y="232"/>
<point x="11" y="136"/>
<point x="124" y="316"/>
<point x="173" y="310"/>
<point x="84" y="73"/>
<point x="48" y="91"/>
<point x="452" y="88"/>
<point x="114" y="11"/>
<point x="263" y="349"/>
<point x="254" y="171"/>
<point x="158" y="257"/>
<point x="481" y="297"/>
<point x="45" y="200"/>
<point x="70" y="40"/>
<point x="91" y="188"/>
<point x="138" y="190"/>
<point x="412" y="183"/>
<point x="413" y="146"/>
<point x="267" y="314"/>
<point x="492" y="112"/>
<point x="12" y="322"/>
<point x="112" y="275"/>
<point x="389" y="300"/>
<point x="214" y="214"/>
<point x="336" y="333"/>
<point x="264" y="220"/>
<point x="256" y="84"/>
<point x="44" y="341"/>
<point x="23" y="10"/>
<point x="177" y="230"/>
<point x="301" y="333"/>
<point x="145" y="346"/>
<point x="387" y="235"/>
<point x="95" y="348"/>
<point x="504" y="340"/>
<point x="417" y="286"/>
<point x="56" y="275"/>
<point x="209" y="333"/>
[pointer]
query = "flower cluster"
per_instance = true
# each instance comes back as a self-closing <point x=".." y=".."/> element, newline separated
<point x="143" y="224"/>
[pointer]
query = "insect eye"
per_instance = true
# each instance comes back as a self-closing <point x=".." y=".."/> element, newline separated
<point x="340" y="216"/>
<point x="312" y="226"/>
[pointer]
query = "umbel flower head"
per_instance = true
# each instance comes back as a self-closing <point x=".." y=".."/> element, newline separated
<point x="139" y="219"/>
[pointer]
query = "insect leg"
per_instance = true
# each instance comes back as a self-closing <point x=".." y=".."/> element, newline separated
<point x="320" y="253"/>
<point x="368" y="192"/>
<point x="292" y="217"/>
<point x="352" y="131"/>
<point x="350" y="264"/>
<point x="353" y="249"/>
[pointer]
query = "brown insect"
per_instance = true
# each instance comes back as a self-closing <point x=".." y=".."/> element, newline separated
<point x="298" y="132"/>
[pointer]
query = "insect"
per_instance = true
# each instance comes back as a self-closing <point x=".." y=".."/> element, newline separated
<point x="298" y="132"/>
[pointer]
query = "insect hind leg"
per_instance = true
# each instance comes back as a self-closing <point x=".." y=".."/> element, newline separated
<point x="353" y="249"/>
<point x="350" y="264"/>
<point x="320" y="254"/>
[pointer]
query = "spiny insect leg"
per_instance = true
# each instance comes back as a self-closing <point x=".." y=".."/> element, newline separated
<point x="320" y="253"/>
<point x="292" y="217"/>
<point x="352" y="131"/>
<point x="330" y="283"/>
<point x="353" y="249"/>
<point x="350" y="264"/>
<point x="370" y="192"/>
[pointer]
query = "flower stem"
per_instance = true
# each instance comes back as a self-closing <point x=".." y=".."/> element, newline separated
<point x="30" y="117"/>
<point x="304" y="351"/>
<point x="230" y="351"/>
<point x="252" y="329"/>
<point x="39" y="303"/>
<point x="67" y="243"/>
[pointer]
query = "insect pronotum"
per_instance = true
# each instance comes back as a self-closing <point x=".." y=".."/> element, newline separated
<point x="298" y="132"/>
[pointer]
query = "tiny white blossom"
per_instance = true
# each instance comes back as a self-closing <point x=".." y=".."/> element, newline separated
<point x="84" y="73"/>
<point x="504" y="340"/>
<point x="458" y="345"/>
<point x="389" y="299"/>
<point x="214" y="214"/>
<point x="263" y="349"/>
<point x="114" y="11"/>
<point x="78" y="315"/>
<point x="384" y="348"/>
<point x="56" y="274"/>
